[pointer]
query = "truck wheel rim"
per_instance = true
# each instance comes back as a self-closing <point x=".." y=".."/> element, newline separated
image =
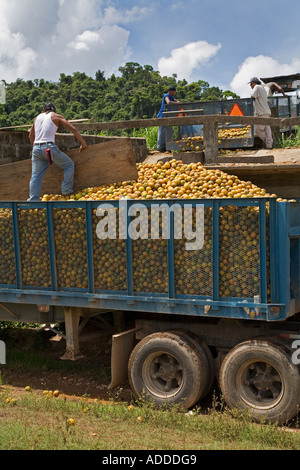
<point x="259" y="385"/>
<point x="162" y="375"/>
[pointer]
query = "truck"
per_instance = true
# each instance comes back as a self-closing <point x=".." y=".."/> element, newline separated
<point x="210" y="289"/>
<point x="234" y="136"/>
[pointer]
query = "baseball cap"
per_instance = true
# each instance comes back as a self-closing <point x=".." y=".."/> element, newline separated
<point x="255" y="80"/>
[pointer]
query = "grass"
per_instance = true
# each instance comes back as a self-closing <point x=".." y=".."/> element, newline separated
<point x="40" y="422"/>
<point x="148" y="133"/>
<point x="291" y="141"/>
<point x="36" y="361"/>
<point x="37" y="422"/>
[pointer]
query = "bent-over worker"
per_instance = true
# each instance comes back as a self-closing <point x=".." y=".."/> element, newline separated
<point x="272" y="88"/>
<point x="261" y="109"/>
<point x="42" y="138"/>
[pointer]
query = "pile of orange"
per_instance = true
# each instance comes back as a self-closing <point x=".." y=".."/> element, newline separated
<point x="171" y="180"/>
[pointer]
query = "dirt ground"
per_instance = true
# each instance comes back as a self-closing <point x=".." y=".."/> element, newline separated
<point x="88" y="377"/>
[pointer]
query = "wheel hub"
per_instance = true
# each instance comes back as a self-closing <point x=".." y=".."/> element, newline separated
<point x="261" y="383"/>
<point x="167" y="371"/>
<point x="163" y="375"/>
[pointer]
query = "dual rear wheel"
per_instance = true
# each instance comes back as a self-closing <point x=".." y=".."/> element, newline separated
<point x="257" y="375"/>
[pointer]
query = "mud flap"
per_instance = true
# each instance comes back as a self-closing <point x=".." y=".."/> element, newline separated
<point x="122" y="346"/>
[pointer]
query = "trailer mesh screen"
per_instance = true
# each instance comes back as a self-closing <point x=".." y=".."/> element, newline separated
<point x="149" y="253"/>
<point x="193" y="266"/>
<point x="109" y="256"/>
<point x="34" y="248"/>
<point x="239" y="252"/>
<point x="7" y="258"/>
<point x="70" y="248"/>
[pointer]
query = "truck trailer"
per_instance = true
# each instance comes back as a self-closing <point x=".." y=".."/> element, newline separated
<point x="211" y="288"/>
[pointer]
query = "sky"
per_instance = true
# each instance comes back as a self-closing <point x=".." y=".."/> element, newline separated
<point x="222" y="43"/>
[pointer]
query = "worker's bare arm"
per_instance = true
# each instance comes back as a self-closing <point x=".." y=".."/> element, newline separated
<point x="59" y="120"/>
<point x="279" y="89"/>
<point x="32" y="135"/>
<point x="168" y="101"/>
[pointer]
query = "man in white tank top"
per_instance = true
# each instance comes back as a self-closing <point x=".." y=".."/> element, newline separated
<point x="42" y="137"/>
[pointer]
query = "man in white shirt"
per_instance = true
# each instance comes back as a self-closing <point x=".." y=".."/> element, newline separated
<point x="261" y="109"/>
<point x="42" y="138"/>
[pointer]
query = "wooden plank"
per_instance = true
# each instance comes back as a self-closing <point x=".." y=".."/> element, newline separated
<point x="175" y="121"/>
<point x="292" y="121"/>
<point x="179" y="121"/>
<point x="100" y="164"/>
<point x="26" y="126"/>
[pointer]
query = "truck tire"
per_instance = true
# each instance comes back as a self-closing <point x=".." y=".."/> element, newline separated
<point x="259" y="376"/>
<point x="207" y="357"/>
<point x="168" y="368"/>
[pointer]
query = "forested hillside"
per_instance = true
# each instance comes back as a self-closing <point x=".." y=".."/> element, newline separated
<point x="135" y="94"/>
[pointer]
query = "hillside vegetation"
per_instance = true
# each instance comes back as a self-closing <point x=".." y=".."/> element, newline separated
<point x="135" y="94"/>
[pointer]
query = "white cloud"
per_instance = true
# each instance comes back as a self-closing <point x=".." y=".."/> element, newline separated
<point x="260" y="66"/>
<point x="103" y="49"/>
<point x="86" y="40"/>
<point x="177" y="5"/>
<point x="42" y="38"/>
<point x="113" y="16"/>
<point x="185" y="60"/>
<point x="31" y="18"/>
<point x="77" y="16"/>
<point x="16" y="59"/>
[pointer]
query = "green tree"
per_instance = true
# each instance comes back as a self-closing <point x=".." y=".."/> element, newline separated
<point x="229" y="94"/>
<point x="211" y="94"/>
<point x="100" y="77"/>
<point x="136" y="93"/>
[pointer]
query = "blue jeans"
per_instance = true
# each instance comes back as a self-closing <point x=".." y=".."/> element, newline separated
<point x="164" y="134"/>
<point x="40" y="165"/>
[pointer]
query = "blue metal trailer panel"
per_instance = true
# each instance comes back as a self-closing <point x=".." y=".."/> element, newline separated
<point x="182" y="288"/>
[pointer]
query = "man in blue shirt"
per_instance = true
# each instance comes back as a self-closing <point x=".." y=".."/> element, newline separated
<point x="169" y="98"/>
